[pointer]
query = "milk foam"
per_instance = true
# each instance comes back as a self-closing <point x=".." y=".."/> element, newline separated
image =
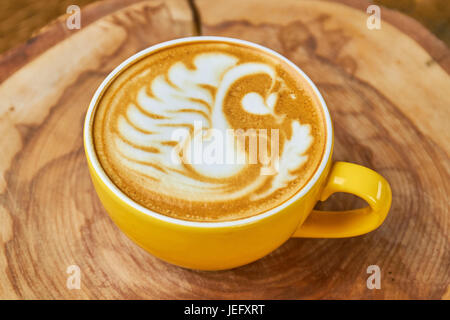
<point x="143" y="136"/>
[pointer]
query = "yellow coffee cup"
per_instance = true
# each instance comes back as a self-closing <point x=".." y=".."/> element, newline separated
<point x="229" y="244"/>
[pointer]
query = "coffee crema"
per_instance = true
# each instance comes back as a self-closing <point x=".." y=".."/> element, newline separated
<point x="262" y="107"/>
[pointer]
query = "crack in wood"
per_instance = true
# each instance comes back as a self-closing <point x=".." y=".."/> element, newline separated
<point x="196" y="18"/>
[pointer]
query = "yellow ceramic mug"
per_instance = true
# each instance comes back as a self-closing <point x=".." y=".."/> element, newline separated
<point x="224" y="245"/>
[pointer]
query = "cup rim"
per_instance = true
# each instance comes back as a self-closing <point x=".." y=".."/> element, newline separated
<point x="92" y="156"/>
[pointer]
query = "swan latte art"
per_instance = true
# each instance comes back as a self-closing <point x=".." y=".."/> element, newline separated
<point x="209" y="131"/>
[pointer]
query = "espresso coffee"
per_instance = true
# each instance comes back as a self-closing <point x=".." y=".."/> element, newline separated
<point x="209" y="131"/>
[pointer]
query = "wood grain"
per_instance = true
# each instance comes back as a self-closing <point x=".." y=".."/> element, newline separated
<point x="387" y="91"/>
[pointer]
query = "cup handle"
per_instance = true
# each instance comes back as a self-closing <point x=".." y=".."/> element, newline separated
<point x="360" y="181"/>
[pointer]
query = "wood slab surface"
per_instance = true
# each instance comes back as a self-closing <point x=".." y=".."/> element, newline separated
<point x="388" y="94"/>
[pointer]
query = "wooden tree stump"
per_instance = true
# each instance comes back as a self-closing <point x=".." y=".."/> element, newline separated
<point x="388" y="94"/>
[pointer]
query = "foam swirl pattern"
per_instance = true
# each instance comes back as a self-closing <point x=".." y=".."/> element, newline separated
<point x="152" y="132"/>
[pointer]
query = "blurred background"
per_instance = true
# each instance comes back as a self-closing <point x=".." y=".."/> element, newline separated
<point x="20" y="19"/>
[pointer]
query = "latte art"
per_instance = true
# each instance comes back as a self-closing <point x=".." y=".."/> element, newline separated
<point x="209" y="131"/>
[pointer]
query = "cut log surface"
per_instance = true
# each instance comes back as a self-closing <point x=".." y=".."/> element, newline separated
<point x="388" y="94"/>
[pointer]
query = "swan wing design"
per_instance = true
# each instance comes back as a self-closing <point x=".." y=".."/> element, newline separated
<point x="292" y="158"/>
